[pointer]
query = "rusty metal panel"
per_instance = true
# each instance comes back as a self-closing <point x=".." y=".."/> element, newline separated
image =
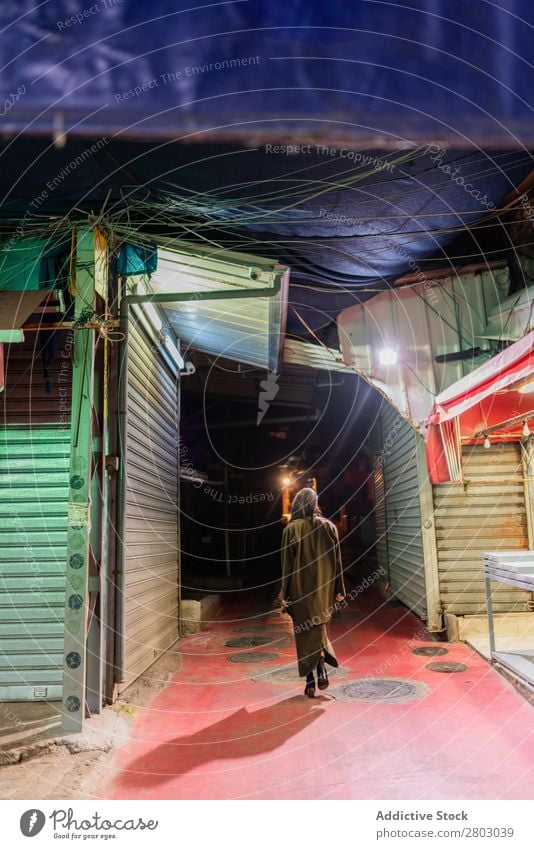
<point x="36" y="394"/>
<point x="403" y="511"/>
<point x="16" y="306"/>
<point x="486" y="513"/>
<point x="151" y="532"/>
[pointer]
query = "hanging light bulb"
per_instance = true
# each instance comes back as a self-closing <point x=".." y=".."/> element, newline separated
<point x="388" y="357"/>
<point x="526" y="429"/>
<point x="487" y="443"/>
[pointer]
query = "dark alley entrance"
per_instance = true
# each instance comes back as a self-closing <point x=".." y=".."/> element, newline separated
<point x="241" y="465"/>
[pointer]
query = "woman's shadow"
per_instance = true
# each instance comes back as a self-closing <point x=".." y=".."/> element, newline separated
<point x="242" y="734"/>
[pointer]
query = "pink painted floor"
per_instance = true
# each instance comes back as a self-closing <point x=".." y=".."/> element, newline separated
<point x="221" y="730"/>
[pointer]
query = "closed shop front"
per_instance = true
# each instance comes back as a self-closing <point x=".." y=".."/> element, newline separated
<point x="403" y="512"/>
<point x="404" y="518"/>
<point x="151" y="521"/>
<point x="485" y="513"/>
<point x="34" y="474"/>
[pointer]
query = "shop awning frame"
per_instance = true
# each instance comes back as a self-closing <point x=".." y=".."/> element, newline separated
<point x="489" y="403"/>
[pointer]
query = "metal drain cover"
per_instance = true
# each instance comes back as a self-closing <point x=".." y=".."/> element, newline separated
<point x="290" y="674"/>
<point x="446" y="666"/>
<point x="431" y="651"/>
<point x="384" y="690"/>
<point x="252" y="657"/>
<point x="247" y="642"/>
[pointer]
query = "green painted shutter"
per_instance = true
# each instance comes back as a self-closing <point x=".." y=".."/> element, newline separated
<point x="34" y="467"/>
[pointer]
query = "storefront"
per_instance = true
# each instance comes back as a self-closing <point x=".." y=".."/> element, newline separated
<point x="469" y="493"/>
<point x="89" y="448"/>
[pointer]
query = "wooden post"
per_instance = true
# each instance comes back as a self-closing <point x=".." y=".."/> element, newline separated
<point x="78" y="548"/>
<point x="527" y="459"/>
<point x="226" y="518"/>
<point x="428" y="539"/>
<point x="109" y="497"/>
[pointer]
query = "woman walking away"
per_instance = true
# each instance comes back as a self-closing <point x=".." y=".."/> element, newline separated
<point x="312" y="581"/>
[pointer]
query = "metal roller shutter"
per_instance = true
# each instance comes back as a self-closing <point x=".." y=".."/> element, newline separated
<point x="151" y="532"/>
<point x="34" y="470"/>
<point x="486" y="513"/>
<point x="403" y="511"/>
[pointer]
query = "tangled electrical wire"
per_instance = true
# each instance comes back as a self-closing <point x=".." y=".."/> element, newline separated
<point x="105" y="325"/>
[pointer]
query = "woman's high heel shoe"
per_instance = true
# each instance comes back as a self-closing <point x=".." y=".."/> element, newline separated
<point x="310" y="686"/>
<point x="322" y="676"/>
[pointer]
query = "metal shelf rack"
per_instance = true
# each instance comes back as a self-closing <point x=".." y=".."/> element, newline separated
<point x="515" y="568"/>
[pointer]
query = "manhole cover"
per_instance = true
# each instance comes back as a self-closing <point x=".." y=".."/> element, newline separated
<point x="446" y="666"/>
<point x="290" y="674"/>
<point x="431" y="651"/>
<point x="247" y="642"/>
<point x="385" y="690"/>
<point x="252" y="657"/>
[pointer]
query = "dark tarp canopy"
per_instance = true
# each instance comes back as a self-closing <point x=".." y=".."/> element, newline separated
<point x="346" y="226"/>
<point x="363" y="72"/>
<point x="406" y="124"/>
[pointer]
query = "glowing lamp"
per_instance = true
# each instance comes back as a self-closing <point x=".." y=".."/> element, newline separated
<point x="388" y="357"/>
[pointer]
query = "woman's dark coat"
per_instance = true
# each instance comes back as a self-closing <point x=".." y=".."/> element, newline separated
<point x="312" y="575"/>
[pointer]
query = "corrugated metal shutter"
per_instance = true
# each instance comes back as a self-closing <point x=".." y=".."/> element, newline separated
<point x="151" y="541"/>
<point x="381" y="547"/>
<point x="34" y="470"/>
<point x="486" y="513"/>
<point x="403" y="511"/>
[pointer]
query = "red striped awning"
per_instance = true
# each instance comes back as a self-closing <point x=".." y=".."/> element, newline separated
<point x="494" y="400"/>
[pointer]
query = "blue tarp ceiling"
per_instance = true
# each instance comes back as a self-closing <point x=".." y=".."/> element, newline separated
<point x="406" y="123"/>
<point x="345" y="226"/>
<point x="366" y="71"/>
